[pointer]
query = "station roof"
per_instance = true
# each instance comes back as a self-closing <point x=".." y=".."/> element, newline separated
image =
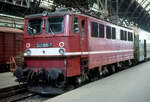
<point x="145" y="4"/>
<point x="135" y="11"/>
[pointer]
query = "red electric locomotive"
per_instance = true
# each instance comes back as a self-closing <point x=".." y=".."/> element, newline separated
<point x="66" y="47"/>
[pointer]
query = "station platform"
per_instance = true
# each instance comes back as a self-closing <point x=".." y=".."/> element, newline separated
<point x="130" y="85"/>
<point x="7" y="80"/>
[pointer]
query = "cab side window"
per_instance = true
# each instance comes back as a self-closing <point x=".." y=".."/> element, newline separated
<point x="101" y="30"/>
<point x="113" y="33"/>
<point x="83" y="28"/>
<point x="75" y="25"/>
<point x="123" y="35"/>
<point x="94" y="29"/>
<point x="108" y="32"/>
<point x="130" y="36"/>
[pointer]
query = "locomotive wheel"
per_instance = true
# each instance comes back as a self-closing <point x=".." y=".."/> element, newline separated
<point x="117" y="69"/>
<point x="78" y="82"/>
<point x="130" y="63"/>
<point x="29" y="76"/>
<point x="100" y="74"/>
<point x="113" y="68"/>
<point x="69" y="87"/>
<point x="105" y="71"/>
<point x="120" y="66"/>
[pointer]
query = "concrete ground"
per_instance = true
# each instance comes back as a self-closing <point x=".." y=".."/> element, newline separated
<point x="7" y="80"/>
<point x="131" y="85"/>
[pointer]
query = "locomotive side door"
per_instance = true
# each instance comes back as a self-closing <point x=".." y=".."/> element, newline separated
<point x="84" y="44"/>
<point x="83" y="34"/>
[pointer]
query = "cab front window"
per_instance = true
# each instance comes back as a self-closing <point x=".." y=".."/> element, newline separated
<point x="55" y="25"/>
<point x="34" y="26"/>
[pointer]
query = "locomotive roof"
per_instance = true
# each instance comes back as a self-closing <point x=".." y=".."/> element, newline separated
<point x="49" y="14"/>
<point x="66" y="13"/>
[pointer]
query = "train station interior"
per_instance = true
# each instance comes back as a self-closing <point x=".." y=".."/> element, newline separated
<point x="74" y="50"/>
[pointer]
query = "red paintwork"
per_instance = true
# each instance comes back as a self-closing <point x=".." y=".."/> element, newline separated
<point x="73" y="67"/>
<point x="46" y="63"/>
<point x="77" y="43"/>
<point x="11" y="43"/>
<point x="108" y="45"/>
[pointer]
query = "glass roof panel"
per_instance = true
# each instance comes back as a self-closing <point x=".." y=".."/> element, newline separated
<point x="147" y="8"/>
<point x="139" y="1"/>
<point x="145" y="4"/>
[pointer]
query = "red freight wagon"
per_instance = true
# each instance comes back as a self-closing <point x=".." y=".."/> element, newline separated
<point x="66" y="47"/>
<point x="11" y="44"/>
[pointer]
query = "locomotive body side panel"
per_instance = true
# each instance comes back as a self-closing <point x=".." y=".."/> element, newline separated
<point x="73" y="66"/>
<point x="104" y="51"/>
<point x="77" y="44"/>
<point x="48" y="63"/>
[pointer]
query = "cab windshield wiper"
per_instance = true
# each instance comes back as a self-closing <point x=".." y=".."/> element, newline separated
<point x="51" y="30"/>
<point x="31" y="30"/>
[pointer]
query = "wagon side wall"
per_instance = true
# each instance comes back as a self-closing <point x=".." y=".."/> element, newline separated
<point x="11" y="44"/>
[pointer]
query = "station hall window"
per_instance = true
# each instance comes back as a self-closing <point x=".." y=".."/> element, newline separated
<point x="83" y="28"/>
<point x="113" y="33"/>
<point x="101" y="30"/>
<point x="76" y="25"/>
<point x="108" y="32"/>
<point x="94" y="27"/>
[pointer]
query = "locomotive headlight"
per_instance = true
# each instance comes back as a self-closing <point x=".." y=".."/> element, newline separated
<point x="28" y="52"/>
<point x="61" y="51"/>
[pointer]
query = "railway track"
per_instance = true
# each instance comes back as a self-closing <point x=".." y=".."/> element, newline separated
<point x="6" y="93"/>
<point x="21" y="94"/>
<point x="19" y="97"/>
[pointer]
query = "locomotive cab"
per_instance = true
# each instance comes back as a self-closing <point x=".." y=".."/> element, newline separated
<point x="53" y="45"/>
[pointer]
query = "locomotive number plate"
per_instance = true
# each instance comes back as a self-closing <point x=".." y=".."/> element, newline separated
<point x="43" y="45"/>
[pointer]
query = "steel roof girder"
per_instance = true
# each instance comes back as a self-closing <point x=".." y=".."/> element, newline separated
<point x="15" y="2"/>
<point x="147" y="24"/>
<point x="122" y="1"/>
<point x="132" y="1"/>
<point x="141" y="13"/>
<point x="143" y="18"/>
<point x="139" y="4"/>
<point x="146" y="17"/>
